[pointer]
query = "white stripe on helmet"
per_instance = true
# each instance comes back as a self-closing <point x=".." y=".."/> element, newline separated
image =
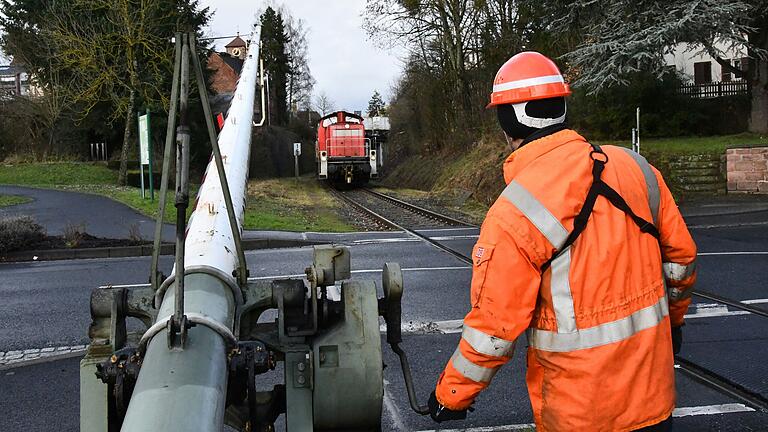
<point x="528" y="82"/>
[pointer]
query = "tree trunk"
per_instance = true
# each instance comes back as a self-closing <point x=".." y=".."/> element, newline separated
<point x="758" y="78"/>
<point x="758" y="119"/>
<point x="122" y="178"/>
<point x="51" y="139"/>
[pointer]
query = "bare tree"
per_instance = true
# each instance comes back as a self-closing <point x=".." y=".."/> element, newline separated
<point x="442" y="32"/>
<point x="53" y="105"/>
<point x="323" y="104"/>
<point x="300" y="80"/>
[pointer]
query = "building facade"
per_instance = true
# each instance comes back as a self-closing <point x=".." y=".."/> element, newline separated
<point x="14" y="81"/>
<point x="700" y="68"/>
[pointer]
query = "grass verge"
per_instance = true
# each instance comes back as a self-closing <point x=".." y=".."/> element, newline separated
<point x="693" y="145"/>
<point x="59" y="173"/>
<point x="12" y="200"/>
<point x="292" y="205"/>
<point x="276" y="204"/>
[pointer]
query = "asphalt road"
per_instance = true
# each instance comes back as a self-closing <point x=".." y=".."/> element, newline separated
<point x="56" y="210"/>
<point x="45" y="304"/>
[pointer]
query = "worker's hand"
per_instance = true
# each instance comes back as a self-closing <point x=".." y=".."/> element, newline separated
<point x="439" y="413"/>
<point x="677" y="339"/>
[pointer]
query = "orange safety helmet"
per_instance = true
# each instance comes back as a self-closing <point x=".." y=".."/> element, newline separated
<point x="525" y="77"/>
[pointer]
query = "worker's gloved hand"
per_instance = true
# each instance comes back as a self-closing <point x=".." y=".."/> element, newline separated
<point x="677" y="339"/>
<point x="440" y="413"/>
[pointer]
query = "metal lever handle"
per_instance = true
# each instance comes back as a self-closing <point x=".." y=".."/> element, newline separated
<point x="392" y="280"/>
<point x="419" y="409"/>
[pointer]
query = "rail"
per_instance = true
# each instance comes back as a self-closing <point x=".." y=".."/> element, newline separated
<point x="413" y="207"/>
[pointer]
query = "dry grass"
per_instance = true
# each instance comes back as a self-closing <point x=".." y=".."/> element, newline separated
<point x="74" y="235"/>
<point x="292" y="205"/>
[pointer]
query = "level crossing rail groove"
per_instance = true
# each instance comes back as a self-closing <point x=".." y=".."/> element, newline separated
<point x="688" y="367"/>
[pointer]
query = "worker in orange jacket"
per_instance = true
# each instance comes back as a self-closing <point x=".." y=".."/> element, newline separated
<point x="586" y="252"/>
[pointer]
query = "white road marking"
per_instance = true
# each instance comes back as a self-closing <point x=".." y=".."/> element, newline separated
<point x="461" y="237"/>
<point x="698" y="310"/>
<point x="514" y="427"/>
<point x="711" y="311"/>
<point x="411" y="269"/>
<point x="731" y="225"/>
<point x="755" y="301"/>
<point x="385" y="240"/>
<point x="732" y="253"/>
<point x="391" y="408"/>
<point x="446" y="229"/>
<point x="678" y="412"/>
<point x="413" y="239"/>
<point x="711" y="409"/>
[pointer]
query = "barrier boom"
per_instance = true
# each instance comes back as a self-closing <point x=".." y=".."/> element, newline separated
<point x="184" y="388"/>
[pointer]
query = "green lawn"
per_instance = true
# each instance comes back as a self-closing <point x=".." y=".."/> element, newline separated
<point x="688" y="145"/>
<point x="57" y="174"/>
<point x="12" y="200"/>
<point x="278" y="204"/>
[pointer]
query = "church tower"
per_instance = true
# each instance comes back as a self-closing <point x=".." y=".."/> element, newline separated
<point x="237" y="47"/>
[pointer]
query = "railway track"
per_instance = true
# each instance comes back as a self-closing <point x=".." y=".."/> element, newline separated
<point x="372" y="205"/>
<point x="395" y="213"/>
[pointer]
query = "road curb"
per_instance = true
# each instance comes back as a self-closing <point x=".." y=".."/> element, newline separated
<point x="138" y="251"/>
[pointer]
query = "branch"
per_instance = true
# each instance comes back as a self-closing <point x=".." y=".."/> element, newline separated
<point x="722" y="62"/>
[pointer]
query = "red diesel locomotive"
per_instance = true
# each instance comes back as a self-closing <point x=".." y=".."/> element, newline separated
<point x="344" y="153"/>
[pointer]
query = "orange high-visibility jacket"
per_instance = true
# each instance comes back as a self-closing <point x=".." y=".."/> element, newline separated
<point x="598" y="318"/>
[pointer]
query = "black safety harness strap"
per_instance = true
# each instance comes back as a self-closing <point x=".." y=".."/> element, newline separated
<point x="600" y="188"/>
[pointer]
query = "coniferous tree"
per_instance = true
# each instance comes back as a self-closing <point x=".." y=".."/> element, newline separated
<point x="607" y="54"/>
<point x="274" y="39"/>
<point x="376" y="106"/>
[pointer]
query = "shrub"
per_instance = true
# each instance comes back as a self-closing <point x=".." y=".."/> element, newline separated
<point x="19" y="232"/>
<point x="74" y="234"/>
<point x="664" y="112"/>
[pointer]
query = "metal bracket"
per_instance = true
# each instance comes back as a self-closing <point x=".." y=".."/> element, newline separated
<point x="120" y="373"/>
<point x="193" y="319"/>
<point x="109" y="309"/>
<point x="330" y="264"/>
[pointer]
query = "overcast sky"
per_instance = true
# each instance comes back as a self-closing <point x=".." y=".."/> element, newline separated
<point x="346" y="65"/>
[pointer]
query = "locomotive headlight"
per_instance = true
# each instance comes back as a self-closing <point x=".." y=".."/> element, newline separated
<point x="373" y="154"/>
<point x="323" y="156"/>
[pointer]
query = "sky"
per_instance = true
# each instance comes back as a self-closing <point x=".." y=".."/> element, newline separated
<point x="347" y="66"/>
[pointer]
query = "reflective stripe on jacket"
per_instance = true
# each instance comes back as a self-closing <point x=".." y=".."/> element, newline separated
<point x="598" y="318"/>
